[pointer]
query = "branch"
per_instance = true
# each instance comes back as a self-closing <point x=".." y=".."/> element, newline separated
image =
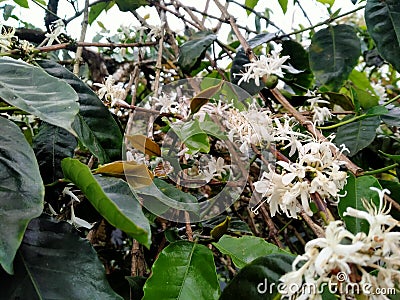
<point x="90" y="44"/>
<point x="85" y="22"/>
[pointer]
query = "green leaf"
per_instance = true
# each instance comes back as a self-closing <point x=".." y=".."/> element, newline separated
<point x="31" y="89"/>
<point x="334" y="52"/>
<point x="365" y="92"/>
<point x="355" y="190"/>
<point x="95" y="126"/>
<point x="251" y="4"/>
<point x="212" y="129"/>
<point x="377" y="111"/>
<point x="191" y="134"/>
<point x="160" y="197"/>
<point x="392" y="118"/>
<point x="283" y="4"/>
<point x="98" y="8"/>
<point x="259" y="279"/>
<point x="22" y="3"/>
<point x="21" y="190"/>
<point x="357" y="135"/>
<point x="55" y="263"/>
<point x="193" y="51"/>
<point x="183" y="270"/>
<point x="383" y="24"/>
<point x="300" y="61"/>
<point x="51" y="145"/>
<point x="241" y="59"/>
<point x="245" y="249"/>
<point x="329" y="2"/>
<point x="112" y="198"/>
<point x="130" y="5"/>
<point x="395" y="158"/>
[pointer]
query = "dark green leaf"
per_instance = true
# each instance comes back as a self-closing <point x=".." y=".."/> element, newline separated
<point x="112" y="198"/>
<point x="95" y="126"/>
<point x="339" y="99"/>
<point x="383" y="24"/>
<point x="97" y="9"/>
<point x="34" y="91"/>
<point x="392" y="118"/>
<point x="241" y="59"/>
<point x="183" y="270"/>
<point x="334" y="52"/>
<point x="245" y="249"/>
<point x="55" y="263"/>
<point x="357" y="135"/>
<point x="7" y="11"/>
<point x="251" y="4"/>
<point x="299" y="60"/>
<point x="355" y="190"/>
<point x="22" y="3"/>
<point x="130" y="5"/>
<point x="21" y="190"/>
<point x="51" y="145"/>
<point x="162" y="196"/>
<point x="136" y="284"/>
<point x="395" y="158"/>
<point x="259" y="279"/>
<point x="377" y="111"/>
<point x="191" y="52"/>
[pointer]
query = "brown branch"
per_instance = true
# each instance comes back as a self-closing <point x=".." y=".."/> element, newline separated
<point x="92" y="44"/>
<point x="78" y="55"/>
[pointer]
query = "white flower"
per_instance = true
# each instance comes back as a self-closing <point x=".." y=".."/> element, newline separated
<point x="267" y="65"/>
<point x="320" y="114"/>
<point x="55" y="32"/>
<point x="78" y="222"/>
<point x="106" y="88"/>
<point x="6" y="37"/>
<point x="156" y="31"/>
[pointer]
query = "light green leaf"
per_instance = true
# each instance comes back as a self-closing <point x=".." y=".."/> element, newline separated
<point x="21" y="190"/>
<point x="95" y="126"/>
<point x="357" y="135"/>
<point x="355" y="190"/>
<point x="383" y="24"/>
<point x="98" y="8"/>
<point x="112" y="198"/>
<point x="365" y="92"/>
<point x="251" y="4"/>
<point x="329" y="2"/>
<point x="334" y="52"/>
<point x="245" y="249"/>
<point x="192" y="52"/>
<point x="33" y="90"/>
<point x="54" y="262"/>
<point x="259" y="279"/>
<point x="283" y="4"/>
<point x="191" y="134"/>
<point x="183" y="270"/>
<point x="22" y="3"/>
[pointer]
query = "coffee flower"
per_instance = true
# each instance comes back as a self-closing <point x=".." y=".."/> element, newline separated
<point x="373" y="256"/>
<point x="266" y="65"/>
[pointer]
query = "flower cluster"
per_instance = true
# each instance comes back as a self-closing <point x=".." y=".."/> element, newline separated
<point x="364" y="260"/>
<point x="6" y="37"/>
<point x="267" y="65"/>
<point x="316" y="170"/>
<point x="111" y="92"/>
<point x="320" y="114"/>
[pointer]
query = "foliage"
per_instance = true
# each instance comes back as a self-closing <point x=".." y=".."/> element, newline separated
<point x="186" y="166"/>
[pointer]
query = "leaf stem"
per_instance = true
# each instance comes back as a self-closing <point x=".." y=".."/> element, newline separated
<point x="381" y="170"/>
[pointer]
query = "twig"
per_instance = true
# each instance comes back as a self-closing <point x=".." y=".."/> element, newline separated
<point x="327" y="21"/>
<point x="91" y="44"/>
<point x="85" y="22"/>
<point x="319" y="232"/>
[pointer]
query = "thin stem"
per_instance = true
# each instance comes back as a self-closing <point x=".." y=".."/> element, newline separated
<point x="90" y="44"/>
<point x="381" y="170"/>
<point x="327" y="21"/>
<point x="85" y="22"/>
<point x="46" y="9"/>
